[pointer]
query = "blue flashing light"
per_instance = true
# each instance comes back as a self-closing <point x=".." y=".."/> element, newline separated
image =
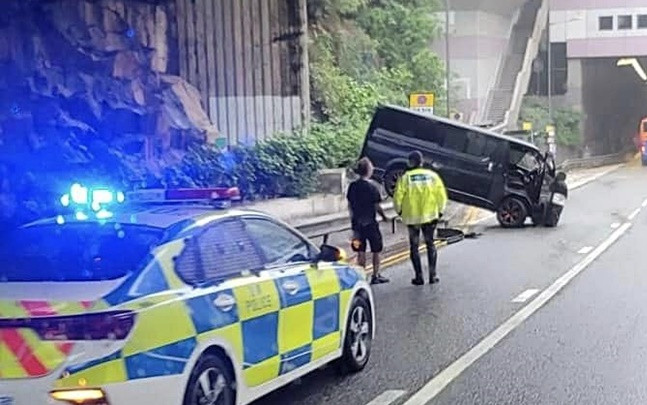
<point x="79" y="194"/>
<point x="60" y="220"/>
<point x="104" y="214"/>
<point x="95" y="206"/>
<point x="65" y="200"/>
<point x="121" y="197"/>
<point x="102" y="196"/>
<point x="81" y="216"/>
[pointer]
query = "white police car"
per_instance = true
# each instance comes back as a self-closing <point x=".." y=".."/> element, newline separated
<point x="172" y="304"/>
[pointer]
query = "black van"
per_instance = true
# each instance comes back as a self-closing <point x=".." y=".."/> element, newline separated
<point x="479" y="167"/>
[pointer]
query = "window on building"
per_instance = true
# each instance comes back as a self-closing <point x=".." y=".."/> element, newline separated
<point x="642" y="21"/>
<point x="625" y="22"/>
<point x="606" y="23"/>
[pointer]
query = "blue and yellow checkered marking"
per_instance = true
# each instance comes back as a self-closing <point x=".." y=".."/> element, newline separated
<point x="274" y="327"/>
<point x="206" y="316"/>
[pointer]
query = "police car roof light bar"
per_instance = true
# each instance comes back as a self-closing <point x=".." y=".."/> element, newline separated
<point x="220" y="197"/>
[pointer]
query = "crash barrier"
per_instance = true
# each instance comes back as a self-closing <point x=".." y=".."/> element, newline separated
<point x="594" y="161"/>
<point x="443" y="234"/>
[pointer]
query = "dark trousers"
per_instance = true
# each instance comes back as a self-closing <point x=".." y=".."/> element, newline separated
<point x="414" y="246"/>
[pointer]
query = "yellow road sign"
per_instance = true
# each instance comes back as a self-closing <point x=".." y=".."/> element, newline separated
<point x="526" y="126"/>
<point x="418" y="100"/>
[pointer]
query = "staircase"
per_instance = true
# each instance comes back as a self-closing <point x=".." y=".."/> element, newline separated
<point x="504" y="99"/>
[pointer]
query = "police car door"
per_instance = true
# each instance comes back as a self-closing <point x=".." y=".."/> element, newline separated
<point x="238" y="303"/>
<point x="310" y="294"/>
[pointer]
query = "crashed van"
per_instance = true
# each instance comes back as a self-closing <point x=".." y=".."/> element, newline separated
<point x="479" y="167"/>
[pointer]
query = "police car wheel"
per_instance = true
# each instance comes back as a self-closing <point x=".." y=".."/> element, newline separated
<point x="357" y="344"/>
<point x="211" y="383"/>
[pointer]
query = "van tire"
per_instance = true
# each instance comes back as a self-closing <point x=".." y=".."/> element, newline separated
<point x="391" y="178"/>
<point x="512" y="213"/>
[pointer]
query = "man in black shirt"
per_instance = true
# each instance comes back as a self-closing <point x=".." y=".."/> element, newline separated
<point x="364" y="203"/>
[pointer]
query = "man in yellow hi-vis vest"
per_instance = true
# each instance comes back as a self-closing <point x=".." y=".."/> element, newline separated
<point x="420" y="199"/>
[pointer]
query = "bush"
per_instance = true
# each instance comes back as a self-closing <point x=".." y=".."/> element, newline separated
<point x="283" y="166"/>
<point x="566" y="121"/>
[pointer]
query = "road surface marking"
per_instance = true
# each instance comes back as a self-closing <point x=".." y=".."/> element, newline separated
<point x="387" y="397"/>
<point x="644" y="204"/>
<point x="449" y="374"/>
<point x="615" y="225"/>
<point x="585" y="250"/>
<point x="587" y="180"/>
<point x="526" y="295"/>
<point x="633" y="214"/>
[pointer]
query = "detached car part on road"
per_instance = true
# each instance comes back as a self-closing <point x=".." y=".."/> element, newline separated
<point x="172" y="305"/>
<point x="479" y="167"/>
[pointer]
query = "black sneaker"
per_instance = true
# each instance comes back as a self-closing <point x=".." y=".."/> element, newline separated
<point x="434" y="280"/>
<point x="379" y="280"/>
<point x="418" y="281"/>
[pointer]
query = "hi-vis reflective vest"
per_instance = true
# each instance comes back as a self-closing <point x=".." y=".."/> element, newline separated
<point x="420" y="196"/>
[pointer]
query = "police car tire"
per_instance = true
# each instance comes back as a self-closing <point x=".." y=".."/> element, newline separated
<point x="206" y="362"/>
<point x="348" y="363"/>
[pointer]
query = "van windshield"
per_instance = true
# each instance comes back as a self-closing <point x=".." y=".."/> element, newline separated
<point x="525" y="160"/>
<point x="75" y="252"/>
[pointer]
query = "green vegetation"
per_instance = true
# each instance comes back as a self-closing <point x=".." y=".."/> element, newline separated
<point x="362" y="53"/>
<point x="566" y="121"/>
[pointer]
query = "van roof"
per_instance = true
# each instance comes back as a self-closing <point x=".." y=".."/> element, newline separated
<point x="460" y="125"/>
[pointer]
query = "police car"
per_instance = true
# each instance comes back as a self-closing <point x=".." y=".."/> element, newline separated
<point x="171" y="304"/>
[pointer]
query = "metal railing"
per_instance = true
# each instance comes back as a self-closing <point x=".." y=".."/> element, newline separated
<point x="595" y="161"/>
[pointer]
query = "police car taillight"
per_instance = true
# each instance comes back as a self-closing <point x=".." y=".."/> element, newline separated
<point x="114" y="325"/>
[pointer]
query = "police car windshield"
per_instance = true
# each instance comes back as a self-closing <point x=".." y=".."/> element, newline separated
<point x="75" y="252"/>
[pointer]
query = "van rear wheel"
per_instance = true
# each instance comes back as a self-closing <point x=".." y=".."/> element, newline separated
<point x="512" y="213"/>
<point x="391" y="179"/>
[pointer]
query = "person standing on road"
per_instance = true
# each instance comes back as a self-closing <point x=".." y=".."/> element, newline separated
<point x="364" y="203"/>
<point x="420" y="199"/>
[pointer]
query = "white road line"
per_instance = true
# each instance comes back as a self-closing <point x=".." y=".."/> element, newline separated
<point x="526" y="295"/>
<point x="585" y="250"/>
<point x="633" y="214"/>
<point x="644" y="204"/>
<point x="615" y="225"/>
<point x="449" y="374"/>
<point x="593" y="178"/>
<point x="387" y="397"/>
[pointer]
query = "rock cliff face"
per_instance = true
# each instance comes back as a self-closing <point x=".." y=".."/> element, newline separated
<point x="87" y="86"/>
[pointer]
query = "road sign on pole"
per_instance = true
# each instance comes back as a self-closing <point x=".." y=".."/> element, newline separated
<point x="422" y="102"/>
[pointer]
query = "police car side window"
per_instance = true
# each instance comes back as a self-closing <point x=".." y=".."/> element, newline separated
<point x="278" y="244"/>
<point x="223" y="250"/>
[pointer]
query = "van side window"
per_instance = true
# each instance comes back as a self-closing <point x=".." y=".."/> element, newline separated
<point x="476" y="144"/>
<point x="455" y="139"/>
<point x="412" y="127"/>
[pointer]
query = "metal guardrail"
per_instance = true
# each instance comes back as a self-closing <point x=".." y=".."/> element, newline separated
<point x="594" y="161"/>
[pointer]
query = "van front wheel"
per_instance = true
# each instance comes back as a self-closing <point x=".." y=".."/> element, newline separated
<point x="391" y="179"/>
<point x="512" y="213"/>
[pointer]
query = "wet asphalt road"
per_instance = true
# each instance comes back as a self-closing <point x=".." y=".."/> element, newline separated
<point x="587" y="345"/>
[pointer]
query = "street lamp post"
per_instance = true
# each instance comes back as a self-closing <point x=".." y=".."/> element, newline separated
<point x="550" y="69"/>
<point x="447" y="63"/>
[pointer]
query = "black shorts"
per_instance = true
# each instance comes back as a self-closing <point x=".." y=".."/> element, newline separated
<point x="367" y="233"/>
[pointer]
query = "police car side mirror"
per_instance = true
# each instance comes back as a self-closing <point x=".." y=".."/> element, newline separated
<point x="329" y="253"/>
